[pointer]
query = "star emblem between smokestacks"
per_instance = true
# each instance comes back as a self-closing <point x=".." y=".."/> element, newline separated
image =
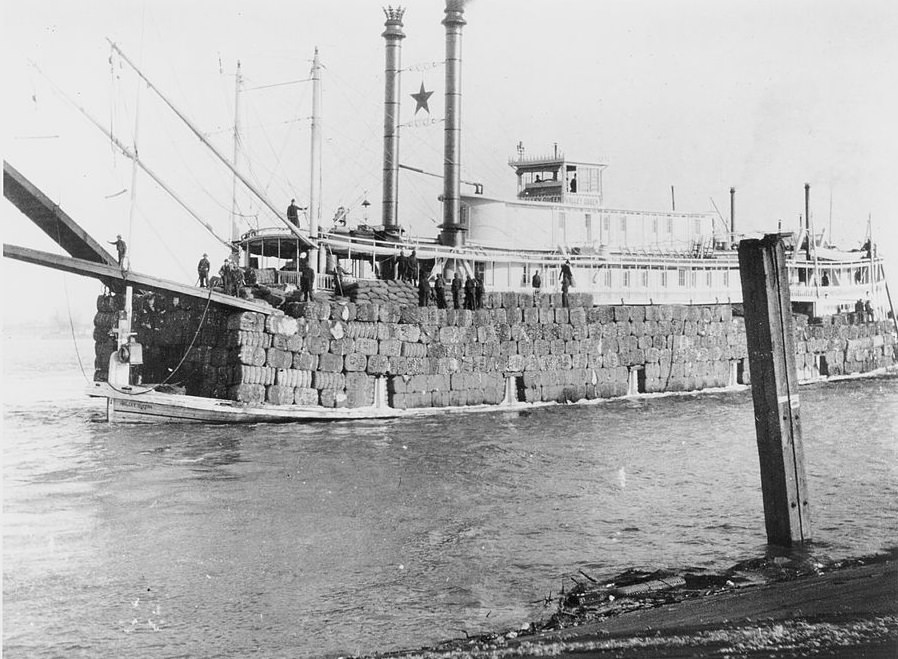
<point x="421" y="99"/>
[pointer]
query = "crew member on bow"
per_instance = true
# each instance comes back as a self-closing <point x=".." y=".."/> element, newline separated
<point x="202" y="269"/>
<point x="121" y="249"/>
<point x="293" y="213"/>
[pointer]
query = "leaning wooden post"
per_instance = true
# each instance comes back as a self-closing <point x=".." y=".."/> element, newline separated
<point x="774" y="388"/>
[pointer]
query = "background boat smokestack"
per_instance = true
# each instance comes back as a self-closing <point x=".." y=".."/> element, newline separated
<point x="453" y="232"/>
<point x="393" y="35"/>
<point x="732" y="216"/>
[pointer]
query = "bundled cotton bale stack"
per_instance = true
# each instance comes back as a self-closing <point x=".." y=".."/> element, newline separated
<point x="833" y="345"/>
<point x="277" y="394"/>
<point x="331" y="354"/>
<point x="105" y="320"/>
<point x="359" y="389"/>
<point x="252" y="394"/>
<point x="402" y="293"/>
<point x="306" y="396"/>
<point x="179" y="336"/>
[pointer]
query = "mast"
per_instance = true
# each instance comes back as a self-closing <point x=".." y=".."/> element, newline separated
<point x="452" y="234"/>
<point x="250" y="186"/>
<point x="870" y="254"/>
<point x="393" y="35"/>
<point x="732" y="215"/>
<point x="237" y="81"/>
<point x="134" y="167"/>
<point x="124" y="333"/>
<point x="807" y="216"/>
<point x="315" y="168"/>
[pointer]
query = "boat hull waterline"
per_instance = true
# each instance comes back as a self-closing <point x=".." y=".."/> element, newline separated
<point x="136" y="404"/>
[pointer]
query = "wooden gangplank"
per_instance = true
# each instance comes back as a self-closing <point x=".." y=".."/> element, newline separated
<point x="51" y="219"/>
<point x="116" y="278"/>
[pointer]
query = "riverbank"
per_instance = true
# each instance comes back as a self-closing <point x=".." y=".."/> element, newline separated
<point x="775" y="606"/>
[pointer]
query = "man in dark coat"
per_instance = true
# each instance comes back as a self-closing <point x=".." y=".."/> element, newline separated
<point x="457" y="286"/>
<point x="120" y="247"/>
<point x="202" y="269"/>
<point x="423" y="292"/>
<point x="293" y="213"/>
<point x="469" y="293"/>
<point x="338" y="274"/>
<point x="306" y="277"/>
<point x="412" y="268"/>
<point x="567" y="279"/>
<point x="439" y="290"/>
<point x="402" y="266"/>
<point x="228" y="274"/>
<point x="478" y="293"/>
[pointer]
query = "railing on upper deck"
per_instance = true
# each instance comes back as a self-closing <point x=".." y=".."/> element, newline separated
<point x="291" y="277"/>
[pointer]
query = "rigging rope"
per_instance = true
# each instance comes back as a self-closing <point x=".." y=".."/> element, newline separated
<point x="72" y="327"/>
<point x="68" y="306"/>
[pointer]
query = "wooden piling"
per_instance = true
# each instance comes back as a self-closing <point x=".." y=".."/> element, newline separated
<point x="771" y="354"/>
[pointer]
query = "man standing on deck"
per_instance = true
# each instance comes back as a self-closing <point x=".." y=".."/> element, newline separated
<point x="293" y="213"/>
<point x="567" y="279"/>
<point x="226" y="277"/>
<point x="478" y="292"/>
<point x="202" y="269"/>
<point x="456" y="291"/>
<point x="537" y="285"/>
<point x="423" y="292"/>
<point x="338" y="278"/>
<point x="413" y="268"/>
<point x="121" y="249"/>
<point x="469" y="293"/>
<point x="439" y="290"/>
<point x="306" y="275"/>
<point x="403" y="266"/>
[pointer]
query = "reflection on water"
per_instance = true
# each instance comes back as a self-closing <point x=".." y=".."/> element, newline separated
<point x="291" y="540"/>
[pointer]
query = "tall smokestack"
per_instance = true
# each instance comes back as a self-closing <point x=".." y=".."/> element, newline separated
<point x="393" y="35"/>
<point x="452" y="233"/>
<point x="732" y="215"/>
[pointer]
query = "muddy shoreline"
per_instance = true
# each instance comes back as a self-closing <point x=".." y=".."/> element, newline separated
<point x="774" y="606"/>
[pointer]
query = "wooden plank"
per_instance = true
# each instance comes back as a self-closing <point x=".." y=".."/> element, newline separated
<point x="114" y="277"/>
<point x="51" y="219"/>
<point x="774" y="386"/>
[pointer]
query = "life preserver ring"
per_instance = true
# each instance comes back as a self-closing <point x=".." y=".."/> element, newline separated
<point x="124" y="354"/>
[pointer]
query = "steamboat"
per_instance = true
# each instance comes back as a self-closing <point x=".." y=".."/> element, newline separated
<point x="651" y="311"/>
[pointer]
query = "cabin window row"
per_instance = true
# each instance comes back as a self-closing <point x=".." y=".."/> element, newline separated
<point x="834" y="276"/>
<point x="625" y="228"/>
<point x="605" y="276"/>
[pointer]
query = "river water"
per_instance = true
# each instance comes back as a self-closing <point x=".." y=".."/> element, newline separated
<point x="317" y="540"/>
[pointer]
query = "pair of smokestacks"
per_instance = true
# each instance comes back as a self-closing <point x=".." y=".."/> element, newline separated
<point x="452" y="231"/>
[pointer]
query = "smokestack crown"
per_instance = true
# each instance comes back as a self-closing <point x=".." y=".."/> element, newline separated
<point x="454" y="12"/>
<point x="393" y="22"/>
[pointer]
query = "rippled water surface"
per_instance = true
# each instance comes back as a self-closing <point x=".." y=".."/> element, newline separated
<point x="291" y="540"/>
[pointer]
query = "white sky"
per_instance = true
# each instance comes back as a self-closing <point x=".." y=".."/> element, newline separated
<point x="702" y="95"/>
